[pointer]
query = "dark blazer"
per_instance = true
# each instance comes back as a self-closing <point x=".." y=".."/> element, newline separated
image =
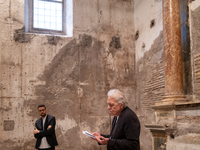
<point x="49" y="134"/>
<point x="125" y="136"/>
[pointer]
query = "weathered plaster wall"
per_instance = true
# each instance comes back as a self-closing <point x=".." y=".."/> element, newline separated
<point x="146" y="13"/>
<point x="149" y="62"/>
<point x="71" y="76"/>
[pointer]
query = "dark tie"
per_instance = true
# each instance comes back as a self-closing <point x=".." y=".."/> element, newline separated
<point x="113" y="129"/>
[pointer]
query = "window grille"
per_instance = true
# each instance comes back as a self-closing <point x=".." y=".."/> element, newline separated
<point x="48" y="16"/>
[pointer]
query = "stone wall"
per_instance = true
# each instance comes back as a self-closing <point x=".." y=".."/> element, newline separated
<point x="70" y="75"/>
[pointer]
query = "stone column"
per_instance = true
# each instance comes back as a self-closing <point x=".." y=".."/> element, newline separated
<point x="172" y="52"/>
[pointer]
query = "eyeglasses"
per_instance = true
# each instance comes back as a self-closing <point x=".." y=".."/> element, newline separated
<point x="41" y="110"/>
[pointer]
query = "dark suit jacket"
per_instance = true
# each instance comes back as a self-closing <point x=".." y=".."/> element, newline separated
<point x="49" y="134"/>
<point x="126" y="134"/>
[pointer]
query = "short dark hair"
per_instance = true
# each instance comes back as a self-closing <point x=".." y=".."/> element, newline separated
<point x="42" y="106"/>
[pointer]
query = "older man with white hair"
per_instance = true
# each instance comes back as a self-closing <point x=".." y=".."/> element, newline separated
<point x="125" y="130"/>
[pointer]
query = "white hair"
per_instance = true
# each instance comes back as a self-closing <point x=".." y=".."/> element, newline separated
<point x="118" y="96"/>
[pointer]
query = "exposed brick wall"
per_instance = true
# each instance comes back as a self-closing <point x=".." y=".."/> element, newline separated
<point x="197" y="72"/>
<point x="195" y="51"/>
<point x="150" y="76"/>
<point x="154" y="89"/>
<point x="150" y="86"/>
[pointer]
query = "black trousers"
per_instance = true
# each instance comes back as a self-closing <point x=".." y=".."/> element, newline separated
<point x="51" y="148"/>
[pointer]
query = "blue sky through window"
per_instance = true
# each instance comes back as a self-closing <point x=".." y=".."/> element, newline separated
<point x="48" y="14"/>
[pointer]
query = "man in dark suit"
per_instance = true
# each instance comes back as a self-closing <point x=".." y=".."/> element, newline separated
<point x="44" y="130"/>
<point x="125" y="130"/>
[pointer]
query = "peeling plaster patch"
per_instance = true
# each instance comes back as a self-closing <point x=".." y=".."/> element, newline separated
<point x="115" y="43"/>
<point x="37" y="82"/>
<point x="68" y="50"/>
<point x="86" y="40"/>
<point x="110" y="61"/>
<point x="8" y="125"/>
<point x="65" y="75"/>
<point x="80" y="92"/>
<point x="53" y="40"/>
<point x="10" y="20"/>
<point x="21" y="37"/>
<point x="5" y="109"/>
<point x="66" y="124"/>
<point x="70" y="82"/>
<point x="14" y="19"/>
<point x="83" y="83"/>
<point x="140" y="67"/>
<point x="10" y="63"/>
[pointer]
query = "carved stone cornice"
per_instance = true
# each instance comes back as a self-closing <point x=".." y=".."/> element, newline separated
<point x="176" y="105"/>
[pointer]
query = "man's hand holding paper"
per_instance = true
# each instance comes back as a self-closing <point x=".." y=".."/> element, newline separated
<point x="89" y="134"/>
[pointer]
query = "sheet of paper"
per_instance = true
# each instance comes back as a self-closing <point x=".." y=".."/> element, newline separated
<point x="88" y="134"/>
